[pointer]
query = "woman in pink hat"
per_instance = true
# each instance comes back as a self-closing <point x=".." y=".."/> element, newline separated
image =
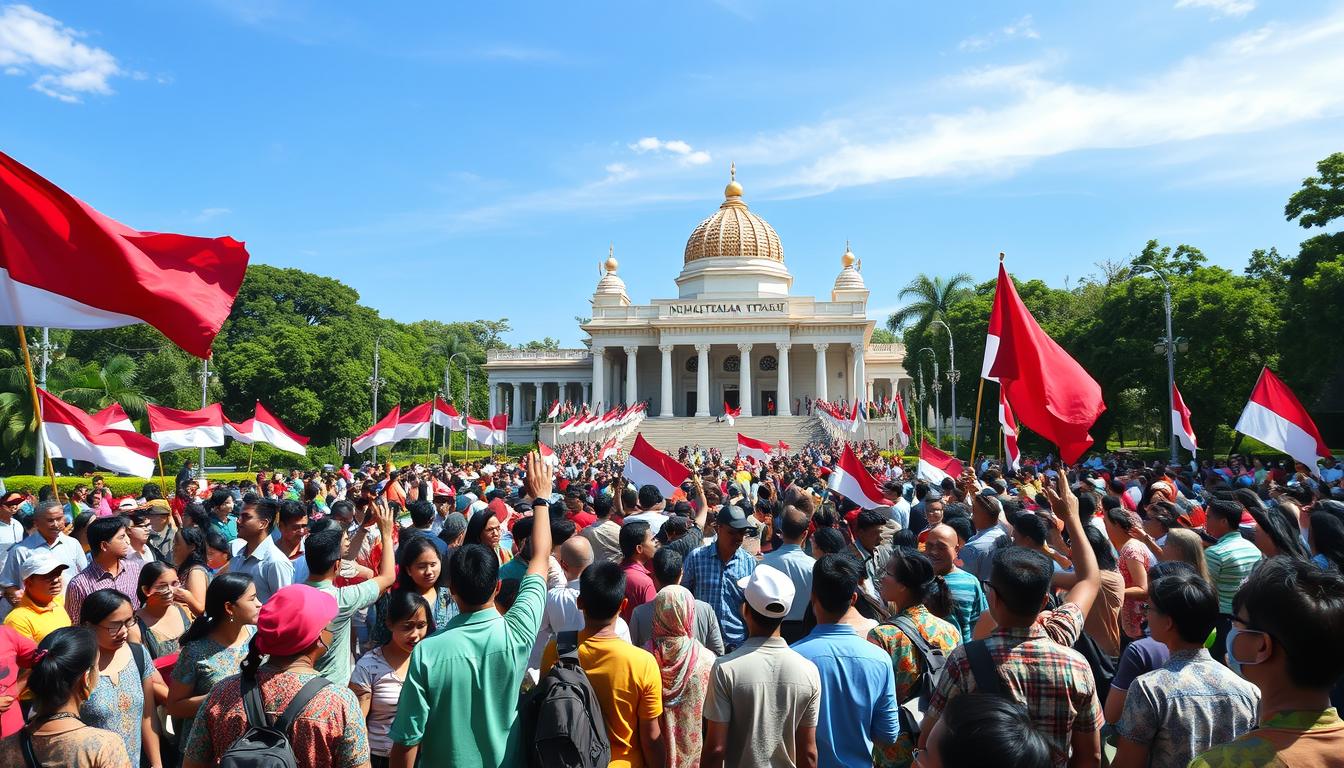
<point x="328" y="729"/>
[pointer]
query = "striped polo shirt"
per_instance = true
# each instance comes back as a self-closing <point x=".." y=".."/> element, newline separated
<point x="1230" y="562"/>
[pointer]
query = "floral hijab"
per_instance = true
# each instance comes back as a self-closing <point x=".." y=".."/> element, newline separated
<point x="673" y="642"/>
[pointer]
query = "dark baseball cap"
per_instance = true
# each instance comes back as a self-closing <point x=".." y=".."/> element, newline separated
<point x="733" y="517"/>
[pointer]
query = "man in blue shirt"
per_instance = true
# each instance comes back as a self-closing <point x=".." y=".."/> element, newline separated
<point x="711" y="573"/>
<point x="858" y="688"/>
<point x="791" y="560"/>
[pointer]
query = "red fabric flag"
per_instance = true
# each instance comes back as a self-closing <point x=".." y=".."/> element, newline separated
<point x="70" y="433"/>
<point x="1049" y="391"/>
<point x="1275" y="417"/>
<point x="65" y="265"/>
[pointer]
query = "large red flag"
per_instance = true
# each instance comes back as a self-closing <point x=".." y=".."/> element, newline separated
<point x="70" y="433"/>
<point x="65" y="265"/>
<point x="1275" y="417"/>
<point x="1049" y="391"/>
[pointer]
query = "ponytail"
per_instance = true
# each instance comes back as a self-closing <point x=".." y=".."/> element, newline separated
<point x="252" y="662"/>
<point x="939" y="598"/>
<point x="65" y="655"/>
<point x="226" y="588"/>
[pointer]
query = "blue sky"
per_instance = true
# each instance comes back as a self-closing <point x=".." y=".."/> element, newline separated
<point x="455" y="161"/>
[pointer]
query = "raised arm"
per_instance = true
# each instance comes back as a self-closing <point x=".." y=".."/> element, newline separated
<point x="1065" y="506"/>
<point x="539" y="485"/>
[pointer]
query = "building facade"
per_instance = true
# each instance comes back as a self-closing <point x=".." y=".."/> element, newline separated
<point x="735" y="335"/>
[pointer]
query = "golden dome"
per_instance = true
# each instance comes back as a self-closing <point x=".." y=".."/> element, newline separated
<point x="610" y="264"/>
<point x="734" y="231"/>
<point x="848" y="258"/>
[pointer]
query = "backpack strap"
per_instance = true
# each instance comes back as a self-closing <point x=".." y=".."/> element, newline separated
<point x="139" y="653"/>
<point x="147" y="638"/>
<point x="908" y="628"/>
<point x="982" y="668"/>
<point x="567" y="646"/>
<point x="26" y="741"/>
<point x="300" y="700"/>
<point x="253" y="706"/>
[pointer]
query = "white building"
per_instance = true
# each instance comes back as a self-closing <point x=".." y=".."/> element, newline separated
<point x="735" y="334"/>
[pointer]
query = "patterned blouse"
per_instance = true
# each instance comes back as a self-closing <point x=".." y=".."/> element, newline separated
<point x="119" y="705"/>
<point x="79" y="748"/>
<point x="905" y="664"/>
<point x="1131" y="613"/>
<point x="203" y="664"/>
<point x="329" y="733"/>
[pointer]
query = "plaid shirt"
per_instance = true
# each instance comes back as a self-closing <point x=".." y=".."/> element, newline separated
<point x="1037" y="669"/>
<point x="714" y="582"/>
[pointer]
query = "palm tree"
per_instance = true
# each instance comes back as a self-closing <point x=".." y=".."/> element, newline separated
<point x="933" y="297"/>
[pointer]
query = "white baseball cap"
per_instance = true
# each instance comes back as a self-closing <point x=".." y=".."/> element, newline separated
<point x="41" y="563"/>
<point x="769" y="591"/>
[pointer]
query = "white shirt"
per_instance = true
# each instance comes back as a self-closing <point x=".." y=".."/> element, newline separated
<point x="562" y="614"/>
<point x="654" y="519"/>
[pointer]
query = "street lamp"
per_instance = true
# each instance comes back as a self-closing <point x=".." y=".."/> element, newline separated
<point x="447" y="393"/>
<point x="937" y="391"/>
<point x="377" y="382"/>
<point x="953" y="376"/>
<point x="1169" y="342"/>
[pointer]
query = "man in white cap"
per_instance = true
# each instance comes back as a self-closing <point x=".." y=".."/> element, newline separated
<point x="41" y="610"/>
<point x="764" y="699"/>
<point x="47" y="536"/>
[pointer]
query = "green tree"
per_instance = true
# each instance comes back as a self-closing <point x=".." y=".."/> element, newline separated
<point x="932" y="298"/>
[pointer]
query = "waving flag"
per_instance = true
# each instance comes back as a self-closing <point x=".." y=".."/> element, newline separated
<point x="241" y="431"/>
<point x="1181" y="427"/>
<point x="445" y="415"/>
<point x="851" y="480"/>
<point x="480" y="431"/>
<point x="857" y="415"/>
<point x="65" y="265"/>
<point x="382" y="433"/>
<point x="555" y="410"/>
<point x="548" y="455"/>
<point x="646" y="465"/>
<point x="70" y="433"/>
<point x="1049" y="391"/>
<point x="415" y="423"/>
<point x="905" y="434"/>
<point x="935" y="466"/>
<point x="609" y="449"/>
<point x="266" y="428"/>
<point x="173" y="429"/>
<point x="730" y="414"/>
<point x="783" y="447"/>
<point x="1013" y="455"/>
<point x="567" y="426"/>
<point x="500" y="425"/>
<point x="1275" y="417"/>
<point x="750" y="447"/>
<point x="114" y="417"/>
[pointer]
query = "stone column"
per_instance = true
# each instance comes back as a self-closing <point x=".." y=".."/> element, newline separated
<point x="665" y="410"/>
<point x="587" y="388"/>
<point x="536" y="407"/>
<point x="494" y="400"/>
<point x="702" y="380"/>
<point x="744" y="379"/>
<point x="599" y="375"/>
<point x="783" y="400"/>
<point x="517" y="404"/>
<point x="860" y="376"/>
<point x="821" y="371"/>
<point x="631" y="374"/>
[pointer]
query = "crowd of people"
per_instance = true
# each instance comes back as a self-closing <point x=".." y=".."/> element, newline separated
<point x="504" y="613"/>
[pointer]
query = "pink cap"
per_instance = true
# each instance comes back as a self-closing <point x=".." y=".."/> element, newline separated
<point x="293" y="618"/>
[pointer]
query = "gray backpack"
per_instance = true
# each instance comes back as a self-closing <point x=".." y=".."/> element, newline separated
<point x="564" y="726"/>
<point x="265" y="744"/>
<point x="931" y="663"/>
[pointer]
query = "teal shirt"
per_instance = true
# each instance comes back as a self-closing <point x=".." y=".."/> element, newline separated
<point x="459" y="701"/>
<point x="1230" y="561"/>
<point x="514" y="569"/>
<point x="968" y="600"/>
<point x="336" y="664"/>
<point x="227" y="528"/>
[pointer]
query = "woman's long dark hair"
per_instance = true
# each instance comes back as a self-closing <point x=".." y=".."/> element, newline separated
<point x="411" y="550"/>
<point x="194" y="538"/>
<point x="1327" y="531"/>
<point x="100" y="605"/>
<point x="68" y="654"/>
<point x="226" y="588"/>
<point x="402" y="605"/>
<point x="148" y="575"/>
<point x="476" y="526"/>
<point x="913" y="570"/>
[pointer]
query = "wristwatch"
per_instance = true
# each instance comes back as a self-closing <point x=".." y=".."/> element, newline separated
<point x="540" y="502"/>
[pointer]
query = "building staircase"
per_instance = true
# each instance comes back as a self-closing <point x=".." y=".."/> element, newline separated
<point x="669" y="435"/>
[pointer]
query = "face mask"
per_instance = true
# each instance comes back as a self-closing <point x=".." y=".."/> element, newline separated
<point x="1233" y="662"/>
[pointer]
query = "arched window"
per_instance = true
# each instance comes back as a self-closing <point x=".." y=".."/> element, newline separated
<point x="732" y="364"/>
<point x="692" y="364"/>
<point x="768" y="363"/>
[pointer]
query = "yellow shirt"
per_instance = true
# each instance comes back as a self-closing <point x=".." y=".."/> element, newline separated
<point x="628" y="685"/>
<point x="36" y="621"/>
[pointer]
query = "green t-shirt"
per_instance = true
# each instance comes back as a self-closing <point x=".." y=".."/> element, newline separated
<point x="469" y="676"/>
<point x="337" y="663"/>
<point x="514" y="569"/>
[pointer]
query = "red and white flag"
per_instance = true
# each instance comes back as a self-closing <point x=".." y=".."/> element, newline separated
<point x="934" y="465"/>
<point x="646" y="465"/>
<point x="266" y="428"/>
<point x="569" y="424"/>
<point x="240" y="431"/>
<point x="783" y="447"/>
<point x="500" y="426"/>
<point x="857" y="416"/>
<point x="750" y="447"/>
<point x="480" y="431"/>
<point x="547" y="454"/>
<point x="1051" y="394"/>
<point x="1180" y="421"/>
<point x="1275" y="417"/>
<point x="65" y="265"/>
<point x="730" y="414"/>
<point x="415" y="423"/>
<point x="1009" y="424"/>
<point x="173" y="429"/>
<point x="555" y="410"/>
<point x="905" y="434"/>
<point x="445" y="415"/>
<point x="851" y="480"/>
<point x="113" y="417"/>
<point x="70" y="433"/>
<point x="609" y="449"/>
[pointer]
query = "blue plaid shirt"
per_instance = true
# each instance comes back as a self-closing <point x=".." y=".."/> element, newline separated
<point x="711" y="581"/>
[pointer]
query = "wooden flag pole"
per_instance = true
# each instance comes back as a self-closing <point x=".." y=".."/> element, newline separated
<point x="163" y="479"/>
<point x="37" y="407"/>
<point x="250" y="447"/>
<point x="975" y="432"/>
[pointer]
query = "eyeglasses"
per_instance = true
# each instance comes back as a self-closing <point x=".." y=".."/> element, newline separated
<point x="118" y="627"/>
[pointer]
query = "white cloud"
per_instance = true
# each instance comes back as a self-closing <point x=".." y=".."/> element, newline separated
<point x="688" y="155"/>
<point x="32" y="43"/>
<point x="1022" y="28"/>
<point x="206" y="214"/>
<point x="519" y="53"/>
<point x="1236" y="8"/>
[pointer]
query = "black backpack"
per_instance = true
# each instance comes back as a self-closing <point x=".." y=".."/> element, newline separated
<point x="932" y="661"/>
<point x="265" y="744"/>
<point x="564" y="727"/>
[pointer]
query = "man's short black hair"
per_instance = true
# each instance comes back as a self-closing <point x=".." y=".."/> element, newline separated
<point x="829" y="540"/>
<point x="1028" y="525"/>
<point x="835" y="581"/>
<point x="562" y="528"/>
<point x="794" y="523"/>
<point x="1227" y="511"/>
<point x="870" y="518"/>
<point x="602" y="588"/>
<point x="667" y="566"/>
<point x="422" y="513"/>
<point x="322" y="550"/>
<point x="268" y="510"/>
<point x="962" y="525"/>
<point x="473" y="572"/>
<point x="1301" y="606"/>
<point x="649" y="496"/>
<point x="633" y="534"/>
<point x="1189" y="601"/>
<point x="291" y="512"/>
<point x="629" y="499"/>
<point x="103" y="530"/>
<point x="343" y="509"/>
<point x="1021" y="579"/>
<point x="522" y="530"/>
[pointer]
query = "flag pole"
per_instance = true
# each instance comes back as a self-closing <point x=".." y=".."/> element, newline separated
<point x="250" y="447"/>
<point x="37" y="407"/>
<point x="975" y="432"/>
<point x="163" y="480"/>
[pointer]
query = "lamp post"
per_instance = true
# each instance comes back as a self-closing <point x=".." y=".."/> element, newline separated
<point x="447" y="393"/>
<point x="953" y="376"/>
<point x="44" y="349"/>
<point x="1170" y="343"/>
<point x="205" y="394"/>
<point x="376" y="381"/>
<point x="937" y="390"/>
